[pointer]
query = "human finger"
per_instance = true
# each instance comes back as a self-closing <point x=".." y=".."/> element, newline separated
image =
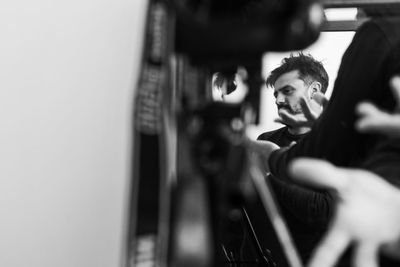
<point x="371" y="117"/>
<point x="289" y="119"/>
<point x="310" y="170"/>
<point x="286" y="115"/>
<point x="367" y="109"/>
<point x="386" y="127"/>
<point x="307" y="110"/>
<point x="331" y="248"/>
<point x="374" y="120"/>
<point x="366" y="255"/>
<point x="261" y="147"/>
<point x="321" y="99"/>
<point x="395" y="86"/>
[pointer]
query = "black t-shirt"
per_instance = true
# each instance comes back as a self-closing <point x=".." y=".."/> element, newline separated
<point x="307" y="212"/>
<point x="282" y="137"/>
<point x="299" y="208"/>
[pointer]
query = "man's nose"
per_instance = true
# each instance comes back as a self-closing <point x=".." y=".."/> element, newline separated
<point x="279" y="99"/>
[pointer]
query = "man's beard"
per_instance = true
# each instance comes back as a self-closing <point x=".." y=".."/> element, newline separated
<point x="289" y="109"/>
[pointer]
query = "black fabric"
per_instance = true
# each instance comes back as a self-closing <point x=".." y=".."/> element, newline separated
<point x="238" y="240"/>
<point x="307" y="212"/>
<point x="367" y="65"/>
<point x="281" y="137"/>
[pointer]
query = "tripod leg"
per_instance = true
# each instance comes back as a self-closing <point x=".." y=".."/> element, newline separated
<point x="271" y="207"/>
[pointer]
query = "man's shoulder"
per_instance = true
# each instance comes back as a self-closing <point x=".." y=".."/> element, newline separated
<point x="268" y="135"/>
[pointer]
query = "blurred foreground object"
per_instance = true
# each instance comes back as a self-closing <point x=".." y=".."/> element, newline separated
<point x="181" y="144"/>
<point x="235" y="32"/>
<point x="374" y="120"/>
<point x="368" y="212"/>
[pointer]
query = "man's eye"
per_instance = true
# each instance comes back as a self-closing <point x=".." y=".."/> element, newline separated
<point x="288" y="91"/>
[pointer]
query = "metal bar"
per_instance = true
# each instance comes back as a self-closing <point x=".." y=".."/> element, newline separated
<point x="358" y="3"/>
<point x="342" y="25"/>
<point x="272" y="209"/>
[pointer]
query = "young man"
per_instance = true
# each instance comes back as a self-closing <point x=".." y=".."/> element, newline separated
<point x="297" y="83"/>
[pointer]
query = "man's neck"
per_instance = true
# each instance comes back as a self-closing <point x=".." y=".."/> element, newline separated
<point x="298" y="130"/>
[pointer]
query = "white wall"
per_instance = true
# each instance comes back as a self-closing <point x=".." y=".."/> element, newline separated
<point x="67" y="75"/>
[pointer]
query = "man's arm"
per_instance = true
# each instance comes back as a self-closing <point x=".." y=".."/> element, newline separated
<point x="312" y="207"/>
<point x="263" y="150"/>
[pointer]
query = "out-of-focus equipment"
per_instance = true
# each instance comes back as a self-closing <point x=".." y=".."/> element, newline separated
<point x="191" y="165"/>
<point x="222" y="35"/>
<point x="364" y="9"/>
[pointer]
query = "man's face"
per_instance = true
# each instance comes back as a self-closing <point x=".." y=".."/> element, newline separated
<point x="288" y="90"/>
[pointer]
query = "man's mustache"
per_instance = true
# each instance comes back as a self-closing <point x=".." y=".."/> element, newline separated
<point x="284" y="106"/>
<point x="289" y="109"/>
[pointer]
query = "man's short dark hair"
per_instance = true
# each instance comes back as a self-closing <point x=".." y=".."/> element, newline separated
<point x="309" y="69"/>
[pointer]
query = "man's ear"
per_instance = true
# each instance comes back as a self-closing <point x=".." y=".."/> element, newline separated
<point x="315" y="88"/>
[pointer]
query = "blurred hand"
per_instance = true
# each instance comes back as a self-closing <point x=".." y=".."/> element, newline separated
<point x="308" y="117"/>
<point x="368" y="212"/>
<point x="374" y="120"/>
<point x="263" y="150"/>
